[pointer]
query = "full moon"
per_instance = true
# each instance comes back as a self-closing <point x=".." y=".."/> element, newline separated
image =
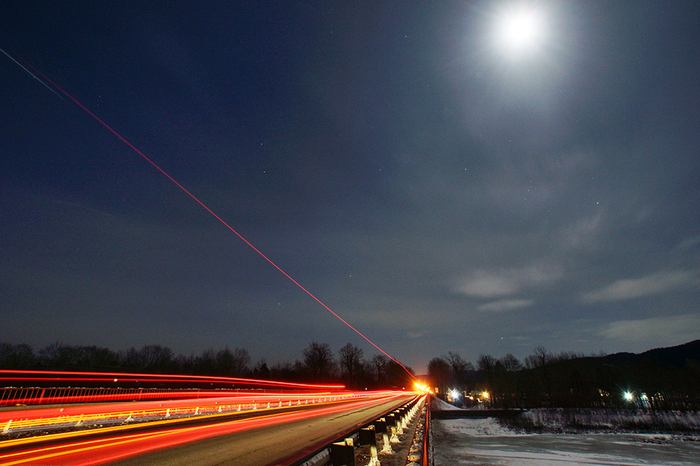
<point x="520" y="31"/>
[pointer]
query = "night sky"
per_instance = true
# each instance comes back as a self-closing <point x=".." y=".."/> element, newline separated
<point x="439" y="187"/>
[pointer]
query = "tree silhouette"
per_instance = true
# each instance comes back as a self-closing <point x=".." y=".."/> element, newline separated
<point x="350" y="359"/>
<point x="318" y="361"/>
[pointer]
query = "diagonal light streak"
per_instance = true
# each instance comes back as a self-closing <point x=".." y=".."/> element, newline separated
<point x="204" y="206"/>
<point x="33" y="75"/>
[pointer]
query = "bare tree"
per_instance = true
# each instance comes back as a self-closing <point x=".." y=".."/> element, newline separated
<point x="232" y="362"/>
<point x="261" y="370"/>
<point x="439" y="373"/>
<point x="59" y="355"/>
<point x="378" y="366"/>
<point x="318" y="360"/>
<point x="19" y="356"/>
<point x="458" y="364"/>
<point x="540" y="358"/>
<point x="461" y="370"/>
<point x="205" y="363"/>
<point x="486" y="363"/>
<point x="350" y="360"/>
<point x="156" y="358"/>
<point x="510" y="363"/>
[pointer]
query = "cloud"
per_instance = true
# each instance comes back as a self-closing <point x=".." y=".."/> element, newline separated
<point x="584" y="232"/>
<point x="689" y="243"/>
<point x="504" y="305"/>
<point x="632" y="288"/>
<point x="487" y="285"/>
<point x="506" y="281"/>
<point x="661" y="330"/>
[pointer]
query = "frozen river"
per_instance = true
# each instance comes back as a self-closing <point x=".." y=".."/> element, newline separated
<point x="485" y="442"/>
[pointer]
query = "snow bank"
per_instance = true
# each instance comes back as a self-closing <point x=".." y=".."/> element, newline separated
<point x="436" y="404"/>
<point x="559" y="420"/>
<point x="487" y="427"/>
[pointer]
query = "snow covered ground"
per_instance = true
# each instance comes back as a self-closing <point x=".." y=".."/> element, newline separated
<point x="486" y="442"/>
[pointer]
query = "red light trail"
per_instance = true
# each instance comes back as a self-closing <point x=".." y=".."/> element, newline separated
<point x="202" y="204"/>
<point x="136" y="377"/>
<point x="190" y="404"/>
<point x="121" y="443"/>
<point x="137" y="386"/>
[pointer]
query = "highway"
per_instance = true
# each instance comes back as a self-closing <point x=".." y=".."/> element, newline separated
<point x="278" y="435"/>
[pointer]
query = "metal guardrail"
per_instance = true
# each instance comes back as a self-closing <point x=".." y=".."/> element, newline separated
<point x="427" y="446"/>
<point x="342" y="452"/>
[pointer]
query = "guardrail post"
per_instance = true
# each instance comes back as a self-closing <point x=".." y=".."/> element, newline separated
<point x="381" y="427"/>
<point x="368" y="436"/>
<point x="394" y="426"/>
<point x="394" y="435"/>
<point x="399" y="421"/>
<point x="343" y="453"/>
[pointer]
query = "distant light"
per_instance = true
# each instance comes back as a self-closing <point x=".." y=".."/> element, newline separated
<point x="628" y="396"/>
<point x="454" y="394"/>
<point x="422" y="387"/>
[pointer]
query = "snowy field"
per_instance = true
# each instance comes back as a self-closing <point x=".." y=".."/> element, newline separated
<point x="486" y="442"/>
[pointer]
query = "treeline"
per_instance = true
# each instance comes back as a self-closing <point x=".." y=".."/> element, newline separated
<point x="318" y="364"/>
<point x="667" y="378"/>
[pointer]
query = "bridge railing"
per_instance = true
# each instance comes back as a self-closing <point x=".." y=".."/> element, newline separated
<point x="26" y="396"/>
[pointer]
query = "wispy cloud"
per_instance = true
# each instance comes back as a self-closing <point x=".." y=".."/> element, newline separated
<point x="506" y="281"/>
<point x="666" y="330"/>
<point x="584" y="232"/>
<point x="689" y="243"/>
<point x="632" y="288"/>
<point x="503" y="305"/>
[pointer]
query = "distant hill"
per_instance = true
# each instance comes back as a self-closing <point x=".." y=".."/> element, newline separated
<point x="674" y="356"/>
<point x="667" y="378"/>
